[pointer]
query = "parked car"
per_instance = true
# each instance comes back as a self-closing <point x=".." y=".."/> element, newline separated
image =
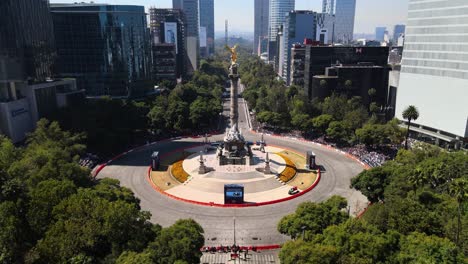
<point x="293" y="190"/>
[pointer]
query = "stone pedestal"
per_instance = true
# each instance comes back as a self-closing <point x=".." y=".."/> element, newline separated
<point x="202" y="169"/>
<point x="267" y="169"/>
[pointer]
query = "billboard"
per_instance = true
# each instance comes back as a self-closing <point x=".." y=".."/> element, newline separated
<point x="202" y="37"/>
<point x="233" y="194"/>
<point x="170" y="33"/>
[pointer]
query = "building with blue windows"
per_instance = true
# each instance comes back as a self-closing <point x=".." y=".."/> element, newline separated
<point x="398" y="30"/>
<point x="299" y="25"/>
<point x="277" y="16"/>
<point x="380" y="33"/>
<point x="207" y="22"/>
<point x="345" y="11"/>
<point x="105" y="47"/>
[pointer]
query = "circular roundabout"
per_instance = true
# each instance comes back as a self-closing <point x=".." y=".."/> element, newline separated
<point x="255" y="225"/>
<point x="274" y="175"/>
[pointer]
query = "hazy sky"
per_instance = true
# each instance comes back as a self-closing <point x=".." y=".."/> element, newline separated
<point x="369" y="13"/>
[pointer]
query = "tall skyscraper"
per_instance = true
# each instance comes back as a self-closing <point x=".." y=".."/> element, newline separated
<point x="190" y="9"/>
<point x="380" y="33"/>
<point x="261" y="24"/>
<point x="207" y="22"/>
<point x="277" y="16"/>
<point x="27" y="38"/>
<point x="299" y="25"/>
<point x="398" y="30"/>
<point x="434" y="74"/>
<point x="168" y="27"/>
<point x="344" y="26"/>
<point x="27" y="56"/>
<point x="328" y="7"/>
<point x="106" y="47"/>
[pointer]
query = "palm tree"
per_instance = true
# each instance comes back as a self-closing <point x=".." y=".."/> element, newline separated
<point x="458" y="189"/>
<point x="410" y="113"/>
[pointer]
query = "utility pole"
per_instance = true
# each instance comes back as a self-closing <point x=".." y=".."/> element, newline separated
<point x="234" y="219"/>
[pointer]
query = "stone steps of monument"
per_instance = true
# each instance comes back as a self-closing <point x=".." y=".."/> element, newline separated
<point x="250" y="187"/>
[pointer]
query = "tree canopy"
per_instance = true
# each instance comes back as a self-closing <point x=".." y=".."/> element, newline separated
<point x="418" y="215"/>
<point x="52" y="211"/>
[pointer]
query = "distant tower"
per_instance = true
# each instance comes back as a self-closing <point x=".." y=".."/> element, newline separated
<point x="345" y="11"/>
<point x="262" y="8"/>
<point x="226" y="38"/>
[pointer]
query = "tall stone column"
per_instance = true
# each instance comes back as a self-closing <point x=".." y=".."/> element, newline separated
<point x="234" y="76"/>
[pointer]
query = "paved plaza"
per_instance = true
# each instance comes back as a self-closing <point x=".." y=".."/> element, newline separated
<point x="209" y="187"/>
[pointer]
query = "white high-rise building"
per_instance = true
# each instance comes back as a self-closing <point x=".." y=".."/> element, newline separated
<point x="434" y="74"/>
<point x="344" y="15"/>
<point x="328" y="7"/>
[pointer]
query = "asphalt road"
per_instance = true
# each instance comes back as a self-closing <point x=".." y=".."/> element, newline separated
<point x="254" y="225"/>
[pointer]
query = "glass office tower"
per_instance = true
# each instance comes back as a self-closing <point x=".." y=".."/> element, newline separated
<point x="207" y="21"/>
<point x="106" y="47"/>
<point x="344" y="16"/>
<point x="190" y="10"/>
<point x="278" y="11"/>
<point x="398" y="30"/>
<point x="261" y="24"/>
<point x="27" y="39"/>
<point x="299" y="25"/>
<point x="434" y="74"/>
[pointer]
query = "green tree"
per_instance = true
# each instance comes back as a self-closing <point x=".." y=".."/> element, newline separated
<point x="372" y="183"/>
<point x="410" y="113"/>
<point x="322" y="122"/>
<point x="88" y="224"/>
<point x="458" y="189"/>
<point x="313" y="218"/>
<point x="12" y="233"/>
<point x="300" y="252"/>
<point x="301" y="122"/>
<point x="179" y="242"/>
<point x="130" y="257"/>
<point x="422" y="249"/>
<point x="43" y="198"/>
<point x="338" y="131"/>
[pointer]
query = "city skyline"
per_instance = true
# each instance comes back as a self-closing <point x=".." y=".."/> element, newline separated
<point x="369" y="13"/>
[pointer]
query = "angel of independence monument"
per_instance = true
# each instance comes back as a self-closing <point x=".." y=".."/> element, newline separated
<point x="234" y="151"/>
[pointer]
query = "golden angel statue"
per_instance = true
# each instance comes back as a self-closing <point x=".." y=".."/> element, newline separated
<point x="233" y="53"/>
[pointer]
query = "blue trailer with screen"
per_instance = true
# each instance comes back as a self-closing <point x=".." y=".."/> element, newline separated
<point x="233" y="194"/>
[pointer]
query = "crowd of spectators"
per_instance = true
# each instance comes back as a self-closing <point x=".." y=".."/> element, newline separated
<point x="89" y="160"/>
<point x="373" y="157"/>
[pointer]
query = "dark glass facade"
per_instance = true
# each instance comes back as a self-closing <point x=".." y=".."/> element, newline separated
<point x="207" y="21"/>
<point x="26" y="39"/>
<point x="317" y="59"/>
<point x="106" y="47"/>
